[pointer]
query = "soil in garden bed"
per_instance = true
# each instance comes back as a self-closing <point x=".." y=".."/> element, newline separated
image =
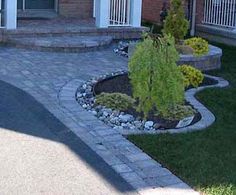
<point x="116" y="84"/>
<point x="121" y="84"/>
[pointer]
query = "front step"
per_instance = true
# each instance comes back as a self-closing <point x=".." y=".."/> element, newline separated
<point x="66" y="34"/>
<point x="117" y="33"/>
<point x="62" y="43"/>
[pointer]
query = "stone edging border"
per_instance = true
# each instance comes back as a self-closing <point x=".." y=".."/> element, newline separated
<point x="145" y="175"/>
<point x="207" y="118"/>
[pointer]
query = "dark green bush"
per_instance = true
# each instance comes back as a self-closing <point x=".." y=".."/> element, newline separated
<point x="176" y="23"/>
<point x="117" y="101"/>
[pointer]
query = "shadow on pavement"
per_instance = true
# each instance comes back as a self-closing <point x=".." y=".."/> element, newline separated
<point x="21" y="113"/>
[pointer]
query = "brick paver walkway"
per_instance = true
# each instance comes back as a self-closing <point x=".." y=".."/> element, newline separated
<point x="52" y="79"/>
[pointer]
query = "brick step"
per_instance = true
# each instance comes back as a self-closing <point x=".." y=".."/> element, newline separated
<point x="62" y="43"/>
<point x="117" y="33"/>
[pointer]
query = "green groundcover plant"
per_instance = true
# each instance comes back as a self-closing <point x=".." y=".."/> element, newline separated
<point x="117" y="101"/>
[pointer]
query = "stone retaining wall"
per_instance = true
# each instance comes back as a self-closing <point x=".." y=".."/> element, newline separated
<point x="210" y="61"/>
<point x="207" y="62"/>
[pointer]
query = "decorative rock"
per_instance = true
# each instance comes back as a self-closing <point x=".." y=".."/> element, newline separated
<point x="149" y="124"/>
<point x="102" y="118"/>
<point x="89" y="95"/>
<point x="157" y="126"/>
<point x="105" y="113"/>
<point x="99" y="113"/>
<point x="132" y="127"/>
<point x="79" y="95"/>
<point x="115" y="113"/>
<point x="94" y="112"/>
<point x="88" y="107"/>
<point x="118" y="128"/>
<point x="123" y="48"/>
<point x="115" y="121"/>
<point x="84" y="106"/>
<point x="126" y="118"/>
<point x="138" y="124"/>
<point x="124" y="125"/>
<point x="98" y="108"/>
<point x="108" y="110"/>
<point x="84" y="86"/>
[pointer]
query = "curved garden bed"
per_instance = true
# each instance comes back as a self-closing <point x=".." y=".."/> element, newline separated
<point x="130" y="121"/>
<point x="151" y="98"/>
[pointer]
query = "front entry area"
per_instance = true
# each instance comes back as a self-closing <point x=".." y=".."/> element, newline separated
<point x="35" y="4"/>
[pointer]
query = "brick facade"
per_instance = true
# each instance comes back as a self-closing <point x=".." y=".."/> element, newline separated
<point x="152" y="8"/>
<point x="199" y="11"/>
<point x="76" y="8"/>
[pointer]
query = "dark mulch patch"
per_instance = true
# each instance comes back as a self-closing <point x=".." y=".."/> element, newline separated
<point x="121" y="84"/>
<point x="116" y="84"/>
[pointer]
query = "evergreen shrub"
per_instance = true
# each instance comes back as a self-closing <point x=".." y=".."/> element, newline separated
<point x="175" y="23"/>
<point x="157" y="82"/>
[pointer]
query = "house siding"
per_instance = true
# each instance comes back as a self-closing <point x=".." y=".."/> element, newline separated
<point x="76" y="8"/>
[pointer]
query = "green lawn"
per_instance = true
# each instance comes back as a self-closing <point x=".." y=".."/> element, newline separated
<point x="205" y="160"/>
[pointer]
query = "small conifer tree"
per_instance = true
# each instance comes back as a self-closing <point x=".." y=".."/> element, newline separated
<point x="157" y="83"/>
<point x="176" y="23"/>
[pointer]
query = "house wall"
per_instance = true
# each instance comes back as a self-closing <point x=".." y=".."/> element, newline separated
<point x="76" y="8"/>
<point x="199" y="11"/>
<point x="152" y="9"/>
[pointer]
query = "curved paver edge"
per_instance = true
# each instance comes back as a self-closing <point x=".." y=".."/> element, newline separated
<point x="136" y="167"/>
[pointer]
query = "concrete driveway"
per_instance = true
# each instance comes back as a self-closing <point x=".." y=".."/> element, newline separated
<point x="39" y="155"/>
